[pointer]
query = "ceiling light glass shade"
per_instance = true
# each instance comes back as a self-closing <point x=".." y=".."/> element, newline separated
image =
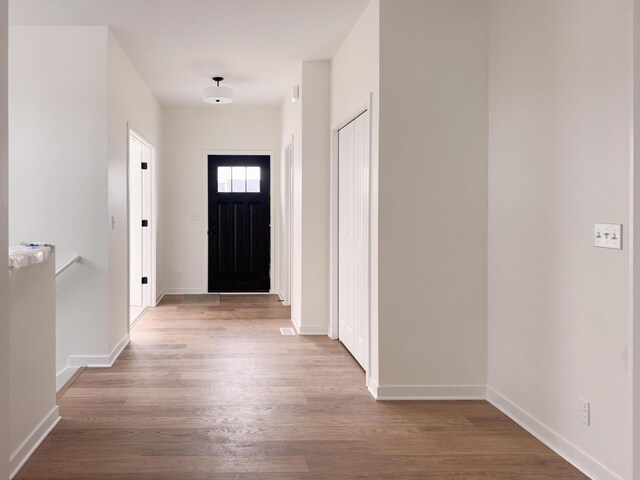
<point x="217" y="95"/>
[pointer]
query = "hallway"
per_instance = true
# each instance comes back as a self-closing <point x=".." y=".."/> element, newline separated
<point x="219" y="393"/>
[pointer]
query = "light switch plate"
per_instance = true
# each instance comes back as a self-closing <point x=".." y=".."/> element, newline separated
<point x="607" y="235"/>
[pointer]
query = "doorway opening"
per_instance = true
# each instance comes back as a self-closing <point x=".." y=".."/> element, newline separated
<point x="238" y="246"/>
<point x="141" y="241"/>
<point x="351" y="236"/>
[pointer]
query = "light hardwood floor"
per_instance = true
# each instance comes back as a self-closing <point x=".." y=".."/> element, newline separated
<point x="218" y="393"/>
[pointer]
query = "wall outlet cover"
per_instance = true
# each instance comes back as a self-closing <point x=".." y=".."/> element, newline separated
<point x="607" y="235"/>
<point x="584" y="411"/>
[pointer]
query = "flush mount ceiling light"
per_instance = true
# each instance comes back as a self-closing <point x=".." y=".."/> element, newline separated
<point x="217" y="94"/>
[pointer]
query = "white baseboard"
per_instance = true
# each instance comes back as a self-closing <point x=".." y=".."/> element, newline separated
<point x="296" y="323"/>
<point x="160" y="296"/>
<point x="282" y="300"/>
<point x="133" y="324"/>
<point x="372" y="386"/>
<point x="100" y="361"/>
<point x="33" y="441"/>
<point x="426" y="392"/>
<point x="64" y="376"/>
<point x="199" y="291"/>
<point x="556" y="442"/>
<point x="308" y="329"/>
<point x="313" y="330"/>
<point x="181" y="291"/>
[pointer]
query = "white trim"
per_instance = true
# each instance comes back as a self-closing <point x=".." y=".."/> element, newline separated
<point x="556" y="442"/>
<point x="286" y="223"/>
<point x="314" y="330"/>
<point x="426" y="392"/>
<point x="64" y="376"/>
<point x="372" y="386"/>
<point x="241" y="293"/>
<point x="333" y="330"/>
<point x="205" y="221"/>
<point x="160" y="296"/>
<point x="33" y="441"/>
<point x="100" y="361"/>
<point x="135" y="320"/>
<point x="309" y="330"/>
<point x="296" y="323"/>
<point x="181" y="291"/>
<point x="634" y="249"/>
<point x="198" y="291"/>
<point x="153" y="284"/>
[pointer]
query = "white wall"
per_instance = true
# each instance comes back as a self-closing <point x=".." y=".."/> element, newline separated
<point x="32" y="382"/>
<point x="73" y="91"/>
<point x="355" y="80"/>
<point x="315" y="168"/>
<point x="307" y="122"/>
<point x="133" y="105"/>
<point x="4" y="228"/>
<point x="635" y="318"/>
<point x="560" y="125"/>
<point x="58" y="188"/>
<point x="188" y="133"/>
<point x="291" y="132"/>
<point x="433" y="197"/>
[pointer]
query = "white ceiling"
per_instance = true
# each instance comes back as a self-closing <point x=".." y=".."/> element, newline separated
<point x="179" y="44"/>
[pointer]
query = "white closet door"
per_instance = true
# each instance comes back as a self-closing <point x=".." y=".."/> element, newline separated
<point x="146" y="231"/>
<point x="135" y="221"/>
<point x="353" y="211"/>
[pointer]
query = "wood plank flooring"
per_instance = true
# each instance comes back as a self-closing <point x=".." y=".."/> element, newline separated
<point x="217" y="393"/>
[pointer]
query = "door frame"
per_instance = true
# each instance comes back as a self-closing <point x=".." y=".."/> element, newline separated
<point x="131" y="132"/>
<point x="286" y="241"/>
<point x="205" y="220"/>
<point x="335" y="234"/>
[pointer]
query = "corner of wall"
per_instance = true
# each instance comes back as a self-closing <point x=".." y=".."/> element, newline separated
<point x="4" y="227"/>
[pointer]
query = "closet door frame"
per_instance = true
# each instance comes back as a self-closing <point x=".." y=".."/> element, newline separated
<point x="334" y="231"/>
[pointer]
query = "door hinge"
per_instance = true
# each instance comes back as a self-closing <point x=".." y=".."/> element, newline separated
<point x="145" y="223"/>
<point x="145" y="165"/>
<point x="145" y="280"/>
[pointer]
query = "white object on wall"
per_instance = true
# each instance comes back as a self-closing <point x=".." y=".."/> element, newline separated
<point x="607" y="235"/>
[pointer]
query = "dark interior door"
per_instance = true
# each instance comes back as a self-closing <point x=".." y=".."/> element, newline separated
<point x="239" y="223"/>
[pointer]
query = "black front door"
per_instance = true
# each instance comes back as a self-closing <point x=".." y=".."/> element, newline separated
<point x="239" y="223"/>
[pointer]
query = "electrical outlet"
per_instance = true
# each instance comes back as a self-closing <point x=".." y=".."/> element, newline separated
<point x="179" y="275"/>
<point x="584" y="411"/>
<point x="607" y="235"/>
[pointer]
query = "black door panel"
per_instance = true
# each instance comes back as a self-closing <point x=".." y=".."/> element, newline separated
<point x="239" y="229"/>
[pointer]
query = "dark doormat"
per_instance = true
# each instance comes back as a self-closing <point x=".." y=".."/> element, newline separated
<point x="203" y="300"/>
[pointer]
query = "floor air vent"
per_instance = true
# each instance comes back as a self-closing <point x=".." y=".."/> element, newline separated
<point x="287" y="331"/>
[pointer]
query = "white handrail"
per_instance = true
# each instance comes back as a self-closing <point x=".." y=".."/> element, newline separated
<point x="68" y="264"/>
